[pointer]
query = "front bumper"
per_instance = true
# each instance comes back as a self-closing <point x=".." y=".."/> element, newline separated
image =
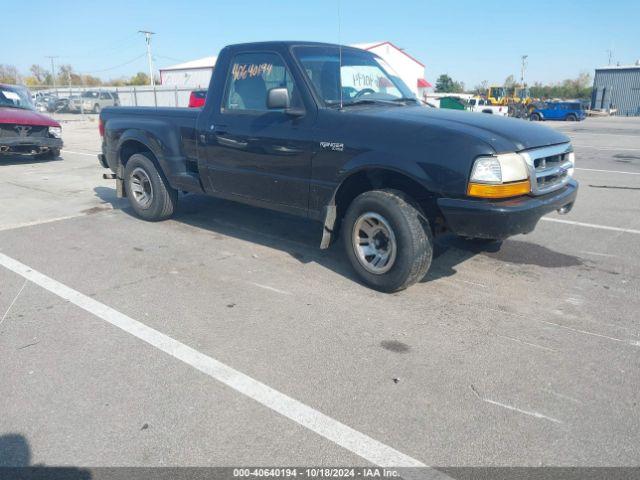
<point x="29" y="145"/>
<point x="503" y="218"/>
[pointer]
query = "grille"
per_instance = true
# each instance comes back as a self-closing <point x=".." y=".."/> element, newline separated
<point x="12" y="131"/>
<point x="550" y="168"/>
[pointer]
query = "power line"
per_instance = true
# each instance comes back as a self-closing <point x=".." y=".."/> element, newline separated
<point x="114" y="47"/>
<point x="117" y="66"/>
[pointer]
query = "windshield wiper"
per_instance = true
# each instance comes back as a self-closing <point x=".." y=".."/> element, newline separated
<point x="361" y="101"/>
<point x="405" y="99"/>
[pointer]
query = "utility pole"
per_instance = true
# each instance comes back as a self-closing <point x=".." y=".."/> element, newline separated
<point x="523" y="69"/>
<point x="147" y="37"/>
<point x="53" y="69"/>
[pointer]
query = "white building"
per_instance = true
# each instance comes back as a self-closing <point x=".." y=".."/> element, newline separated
<point x="410" y="70"/>
<point x="193" y="74"/>
<point x="197" y="73"/>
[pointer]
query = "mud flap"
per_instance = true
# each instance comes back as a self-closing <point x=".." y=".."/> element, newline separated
<point x="120" y="191"/>
<point x="328" y="226"/>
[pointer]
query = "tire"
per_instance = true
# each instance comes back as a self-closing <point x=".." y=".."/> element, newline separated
<point x="96" y="108"/>
<point x="534" y="117"/>
<point x="150" y="195"/>
<point x="571" y="118"/>
<point x="408" y="247"/>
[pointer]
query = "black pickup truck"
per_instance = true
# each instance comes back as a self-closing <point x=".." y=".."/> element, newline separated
<point x="333" y="134"/>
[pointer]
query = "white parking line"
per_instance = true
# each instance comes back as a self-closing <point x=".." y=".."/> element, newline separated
<point x="40" y="222"/>
<point x="591" y="225"/>
<point x="362" y="445"/>
<point x="607" y="171"/>
<point x="606" y="148"/>
<point x="95" y="155"/>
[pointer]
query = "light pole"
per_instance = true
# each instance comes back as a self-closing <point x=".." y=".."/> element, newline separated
<point x="523" y="69"/>
<point x="147" y="37"/>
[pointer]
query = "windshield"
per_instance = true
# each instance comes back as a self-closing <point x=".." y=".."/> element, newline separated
<point x="357" y="75"/>
<point x="15" y="97"/>
<point x="90" y="95"/>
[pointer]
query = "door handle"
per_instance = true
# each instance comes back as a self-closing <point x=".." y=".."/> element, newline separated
<point x="218" y="129"/>
<point x="232" y="143"/>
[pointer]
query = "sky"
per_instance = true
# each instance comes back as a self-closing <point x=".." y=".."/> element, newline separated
<point x="472" y="41"/>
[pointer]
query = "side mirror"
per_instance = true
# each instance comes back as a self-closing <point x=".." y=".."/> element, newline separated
<point x="278" y="99"/>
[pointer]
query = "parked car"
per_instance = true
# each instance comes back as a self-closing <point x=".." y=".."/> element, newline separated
<point x="279" y="131"/>
<point x="197" y="98"/>
<point x="567" y="111"/>
<point x="93" y="101"/>
<point x="482" y="105"/>
<point x="43" y="102"/>
<point x="24" y="131"/>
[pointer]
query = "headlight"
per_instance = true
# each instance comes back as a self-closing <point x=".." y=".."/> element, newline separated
<point x="499" y="176"/>
<point x="55" y="131"/>
<point x="571" y="157"/>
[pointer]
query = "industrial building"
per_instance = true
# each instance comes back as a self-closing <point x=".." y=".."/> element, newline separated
<point x="617" y="88"/>
<point x="197" y="73"/>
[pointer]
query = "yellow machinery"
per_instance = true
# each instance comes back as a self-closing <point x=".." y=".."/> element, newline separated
<point x="509" y="95"/>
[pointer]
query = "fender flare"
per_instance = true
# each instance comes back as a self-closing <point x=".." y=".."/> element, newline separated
<point x="330" y="210"/>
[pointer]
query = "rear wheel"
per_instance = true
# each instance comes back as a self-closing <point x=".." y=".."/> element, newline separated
<point x="387" y="240"/>
<point x="96" y="108"/>
<point x="571" y="118"/>
<point x="150" y="195"/>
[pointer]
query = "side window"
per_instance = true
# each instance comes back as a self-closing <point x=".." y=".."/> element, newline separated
<point x="251" y="76"/>
<point x="105" y="96"/>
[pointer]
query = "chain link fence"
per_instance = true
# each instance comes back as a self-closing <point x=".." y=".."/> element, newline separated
<point x="131" y="96"/>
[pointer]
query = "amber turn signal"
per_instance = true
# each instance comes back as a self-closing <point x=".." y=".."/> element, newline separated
<point x="503" y="190"/>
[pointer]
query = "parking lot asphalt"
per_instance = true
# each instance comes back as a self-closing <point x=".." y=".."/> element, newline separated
<point x="525" y="355"/>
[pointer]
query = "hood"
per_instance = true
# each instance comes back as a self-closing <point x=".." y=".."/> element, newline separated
<point x="20" y="116"/>
<point x="503" y="134"/>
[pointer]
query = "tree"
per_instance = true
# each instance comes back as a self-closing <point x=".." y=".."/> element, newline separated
<point x="445" y="84"/>
<point x="577" y="88"/>
<point x="139" y="78"/>
<point x="9" y="74"/>
<point x="482" y="88"/>
<point x="39" y="73"/>
<point x="510" y="81"/>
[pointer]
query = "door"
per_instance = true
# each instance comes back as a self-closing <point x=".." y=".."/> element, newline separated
<point x="252" y="152"/>
<point x="552" y="111"/>
<point x="105" y="100"/>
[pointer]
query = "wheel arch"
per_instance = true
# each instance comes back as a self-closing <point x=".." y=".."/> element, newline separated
<point x="375" y="178"/>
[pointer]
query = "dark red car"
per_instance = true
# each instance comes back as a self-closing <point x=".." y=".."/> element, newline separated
<point x="24" y="131"/>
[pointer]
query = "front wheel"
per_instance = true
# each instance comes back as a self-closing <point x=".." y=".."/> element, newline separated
<point x="571" y="118"/>
<point x="534" y="117"/>
<point x="96" y="108"/>
<point x="388" y="241"/>
<point x="150" y="195"/>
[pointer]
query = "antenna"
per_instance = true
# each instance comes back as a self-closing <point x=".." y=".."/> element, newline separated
<point x="340" y="52"/>
<point x="610" y="52"/>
